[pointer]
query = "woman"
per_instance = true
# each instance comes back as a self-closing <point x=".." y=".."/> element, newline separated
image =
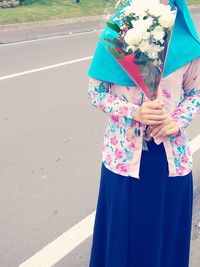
<point x="144" y="209"/>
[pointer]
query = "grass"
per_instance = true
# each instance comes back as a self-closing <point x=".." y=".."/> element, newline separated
<point x="193" y="2"/>
<point x="55" y="9"/>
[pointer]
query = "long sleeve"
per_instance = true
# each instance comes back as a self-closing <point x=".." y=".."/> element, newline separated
<point x="100" y="96"/>
<point x="189" y="107"/>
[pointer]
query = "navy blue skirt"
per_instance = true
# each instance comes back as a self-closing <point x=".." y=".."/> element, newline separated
<point x="143" y="222"/>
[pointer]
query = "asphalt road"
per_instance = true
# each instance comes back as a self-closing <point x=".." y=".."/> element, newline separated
<point x="49" y="174"/>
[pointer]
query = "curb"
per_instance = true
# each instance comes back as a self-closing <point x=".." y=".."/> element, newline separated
<point x="48" y="23"/>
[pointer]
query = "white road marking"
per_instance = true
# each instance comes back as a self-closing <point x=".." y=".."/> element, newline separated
<point x="70" y="34"/>
<point x="45" y="68"/>
<point x="64" y="244"/>
<point x="61" y="246"/>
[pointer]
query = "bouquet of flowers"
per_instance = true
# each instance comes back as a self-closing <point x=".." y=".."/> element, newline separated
<point x="138" y="37"/>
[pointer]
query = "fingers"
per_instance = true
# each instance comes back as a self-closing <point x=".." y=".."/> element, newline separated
<point x="154" y="111"/>
<point x="155" y="117"/>
<point x="157" y="128"/>
<point x="163" y="131"/>
<point x="153" y="104"/>
<point x="152" y="122"/>
<point x="167" y="128"/>
<point x="151" y="113"/>
<point x="167" y="131"/>
<point x="149" y="118"/>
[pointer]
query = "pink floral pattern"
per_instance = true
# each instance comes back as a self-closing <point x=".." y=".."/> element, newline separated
<point x="180" y="92"/>
<point x="166" y="93"/>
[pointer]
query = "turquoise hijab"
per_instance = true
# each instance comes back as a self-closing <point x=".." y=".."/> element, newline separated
<point x="184" y="47"/>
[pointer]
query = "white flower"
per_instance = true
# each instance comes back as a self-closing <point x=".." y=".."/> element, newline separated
<point x="138" y="7"/>
<point x="154" y="50"/>
<point x="128" y="10"/>
<point x="158" y="33"/>
<point x="153" y="7"/>
<point x="133" y="22"/>
<point x="146" y="35"/>
<point x="152" y="55"/>
<point x="145" y="46"/>
<point x="157" y="48"/>
<point x="148" y="22"/>
<point x="162" y="41"/>
<point x="145" y="4"/>
<point x="167" y="20"/>
<point x="133" y="36"/>
<point x="159" y="9"/>
<point x="143" y="24"/>
<point x="158" y="28"/>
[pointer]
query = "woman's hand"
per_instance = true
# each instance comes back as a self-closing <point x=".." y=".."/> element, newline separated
<point x="168" y="128"/>
<point x="151" y="113"/>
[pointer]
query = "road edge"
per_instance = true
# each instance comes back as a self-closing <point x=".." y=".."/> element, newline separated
<point x="49" y="23"/>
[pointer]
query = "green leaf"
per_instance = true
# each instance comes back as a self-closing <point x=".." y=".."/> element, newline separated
<point x="115" y="53"/>
<point x="114" y="27"/>
<point x="114" y="41"/>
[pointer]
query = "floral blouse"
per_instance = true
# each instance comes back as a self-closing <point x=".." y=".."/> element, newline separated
<point x="180" y="91"/>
